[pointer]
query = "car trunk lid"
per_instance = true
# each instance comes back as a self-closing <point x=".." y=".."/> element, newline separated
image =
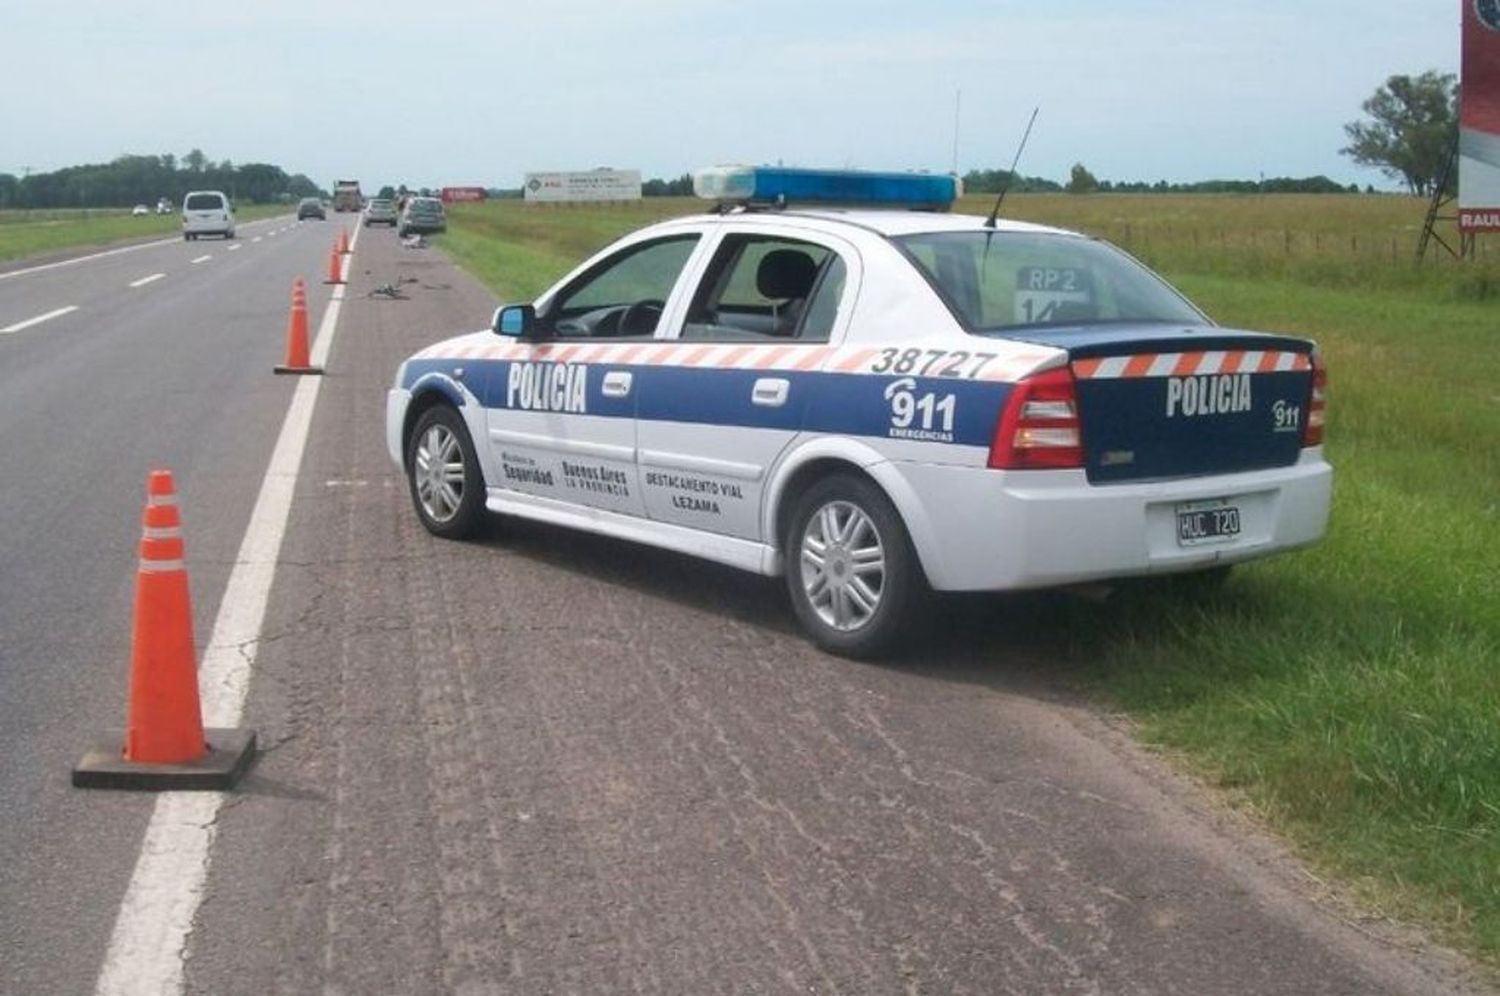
<point x="1157" y="402"/>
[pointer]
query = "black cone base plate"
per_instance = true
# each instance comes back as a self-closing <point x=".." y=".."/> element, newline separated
<point x="229" y="755"/>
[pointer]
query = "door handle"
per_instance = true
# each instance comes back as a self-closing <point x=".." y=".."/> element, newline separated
<point x="770" y="392"/>
<point x="617" y="383"/>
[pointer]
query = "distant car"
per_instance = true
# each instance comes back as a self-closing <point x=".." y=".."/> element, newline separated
<point x="140" y="210"/>
<point x="311" y="207"/>
<point x="207" y="212"/>
<point x="422" y="215"/>
<point x="381" y="211"/>
<point x="163" y="206"/>
<point x="873" y="403"/>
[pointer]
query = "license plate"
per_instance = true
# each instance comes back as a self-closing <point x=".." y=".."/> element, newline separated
<point x="1201" y="522"/>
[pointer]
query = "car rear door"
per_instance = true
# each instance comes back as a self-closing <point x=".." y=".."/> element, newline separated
<point x="717" y="409"/>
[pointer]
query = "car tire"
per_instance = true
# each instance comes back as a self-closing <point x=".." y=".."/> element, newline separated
<point x="445" y="510"/>
<point x="854" y="579"/>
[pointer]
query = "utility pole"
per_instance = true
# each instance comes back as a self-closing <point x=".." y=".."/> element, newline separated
<point x="958" y="99"/>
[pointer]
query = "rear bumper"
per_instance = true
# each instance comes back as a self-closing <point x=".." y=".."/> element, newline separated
<point x="977" y="529"/>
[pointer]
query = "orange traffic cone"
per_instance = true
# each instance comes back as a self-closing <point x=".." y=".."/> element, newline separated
<point x="344" y="249"/>
<point x="164" y="745"/>
<point x="296" y="335"/>
<point x="335" y="266"/>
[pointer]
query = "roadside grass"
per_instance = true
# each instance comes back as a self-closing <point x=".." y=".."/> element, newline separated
<point x="34" y="233"/>
<point x="1348" y="694"/>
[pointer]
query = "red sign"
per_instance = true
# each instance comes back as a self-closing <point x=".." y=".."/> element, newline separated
<point x="452" y="195"/>
<point x="1479" y="121"/>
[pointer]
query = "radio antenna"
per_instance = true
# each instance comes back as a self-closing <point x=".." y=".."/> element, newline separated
<point x="995" y="214"/>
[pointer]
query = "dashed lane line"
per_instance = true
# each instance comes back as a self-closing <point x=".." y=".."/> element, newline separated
<point x="148" y="949"/>
<point x="256" y="239"/>
<point x="233" y="247"/>
<point x="204" y="259"/>
<point x="39" y="319"/>
<point x="147" y="280"/>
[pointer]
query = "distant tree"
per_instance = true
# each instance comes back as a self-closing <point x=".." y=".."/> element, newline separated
<point x="682" y="186"/>
<point x="298" y="185"/>
<point x="990" y="181"/>
<point x="387" y="193"/>
<point x="9" y="187"/>
<point x="1081" y="181"/>
<point x="1414" y="124"/>
<point x="195" y="160"/>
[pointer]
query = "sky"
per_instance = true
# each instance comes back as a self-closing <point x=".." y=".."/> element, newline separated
<point x="451" y="92"/>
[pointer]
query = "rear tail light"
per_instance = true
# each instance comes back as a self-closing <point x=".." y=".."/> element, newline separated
<point x="1039" y="427"/>
<point x="1317" y="404"/>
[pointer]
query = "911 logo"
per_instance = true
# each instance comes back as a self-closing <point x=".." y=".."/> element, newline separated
<point x="927" y="417"/>
<point x="1286" y="417"/>
<point x="1488" y="12"/>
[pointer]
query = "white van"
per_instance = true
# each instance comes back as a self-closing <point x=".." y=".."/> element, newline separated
<point x="206" y="212"/>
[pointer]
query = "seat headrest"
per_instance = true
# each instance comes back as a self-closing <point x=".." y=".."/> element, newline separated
<point x="785" y="273"/>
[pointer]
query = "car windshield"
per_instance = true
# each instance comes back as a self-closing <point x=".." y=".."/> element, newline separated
<point x="426" y="207"/>
<point x="380" y="204"/>
<point x="204" y="202"/>
<point x="995" y="280"/>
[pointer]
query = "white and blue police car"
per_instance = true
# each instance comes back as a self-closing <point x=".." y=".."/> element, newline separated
<point x="814" y="380"/>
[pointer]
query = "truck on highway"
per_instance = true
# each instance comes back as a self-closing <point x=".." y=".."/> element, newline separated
<point x="346" y="196"/>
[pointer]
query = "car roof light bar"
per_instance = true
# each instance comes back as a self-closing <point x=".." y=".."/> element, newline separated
<point x="777" y="186"/>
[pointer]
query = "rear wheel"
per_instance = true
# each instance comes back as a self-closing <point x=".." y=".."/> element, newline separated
<point x="852" y="574"/>
<point x="442" y="470"/>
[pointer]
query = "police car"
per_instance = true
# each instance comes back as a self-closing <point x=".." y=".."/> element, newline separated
<point x="815" y="380"/>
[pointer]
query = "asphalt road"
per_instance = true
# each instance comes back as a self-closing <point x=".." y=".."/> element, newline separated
<point x="172" y="373"/>
<point x="553" y="763"/>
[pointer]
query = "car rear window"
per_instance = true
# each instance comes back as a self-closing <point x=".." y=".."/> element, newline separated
<point x="1002" y="280"/>
<point x="205" y="202"/>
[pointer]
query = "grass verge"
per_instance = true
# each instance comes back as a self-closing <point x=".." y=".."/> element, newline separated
<point x="1350" y="694"/>
<point x="24" y="234"/>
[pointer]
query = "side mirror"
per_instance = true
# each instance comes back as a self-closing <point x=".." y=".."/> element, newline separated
<point x="517" y="321"/>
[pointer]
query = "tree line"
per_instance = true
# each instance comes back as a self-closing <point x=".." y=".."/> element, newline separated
<point x="133" y="179"/>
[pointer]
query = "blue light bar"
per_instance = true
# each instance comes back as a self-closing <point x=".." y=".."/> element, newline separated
<point x="781" y="186"/>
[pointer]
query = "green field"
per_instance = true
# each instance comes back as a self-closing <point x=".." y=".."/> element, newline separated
<point x="1349" y="695"/>
<point x="24" y="234"/>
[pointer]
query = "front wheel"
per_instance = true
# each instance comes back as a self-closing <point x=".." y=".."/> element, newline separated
<point x="852" y="574"/>
<point x="442" y="469"/>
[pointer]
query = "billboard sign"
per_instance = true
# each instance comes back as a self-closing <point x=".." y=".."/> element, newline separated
<point x="594" y="185"/>
<point x="453" y="195"/>
<point x="1479" y="119"/>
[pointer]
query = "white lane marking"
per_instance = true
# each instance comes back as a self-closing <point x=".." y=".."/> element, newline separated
<point x="107" y="252"/>
<point x="256" y="239"/>
<point x="234" y="247"/>
<point x="39" y="319"/>
<point x="147" y="280"/>
<point x="204" y="259"/>
<point x="147" y="951"/>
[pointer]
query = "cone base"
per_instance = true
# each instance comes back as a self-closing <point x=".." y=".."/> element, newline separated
<point x="229" y="755"/>
<point x="279" y="368"/>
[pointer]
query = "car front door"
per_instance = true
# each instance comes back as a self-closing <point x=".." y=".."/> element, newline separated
<point x="560" y="410"/>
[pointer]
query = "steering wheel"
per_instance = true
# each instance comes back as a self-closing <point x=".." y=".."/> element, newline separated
<point x="646" y="313"/>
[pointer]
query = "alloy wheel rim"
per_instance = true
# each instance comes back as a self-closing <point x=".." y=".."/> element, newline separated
<point x="439" y="473"/>
<point x="843" y="566"/>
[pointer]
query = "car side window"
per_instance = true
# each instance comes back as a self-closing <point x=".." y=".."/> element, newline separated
<point x="624" y="295"/>
<point x="760" y="288"/>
